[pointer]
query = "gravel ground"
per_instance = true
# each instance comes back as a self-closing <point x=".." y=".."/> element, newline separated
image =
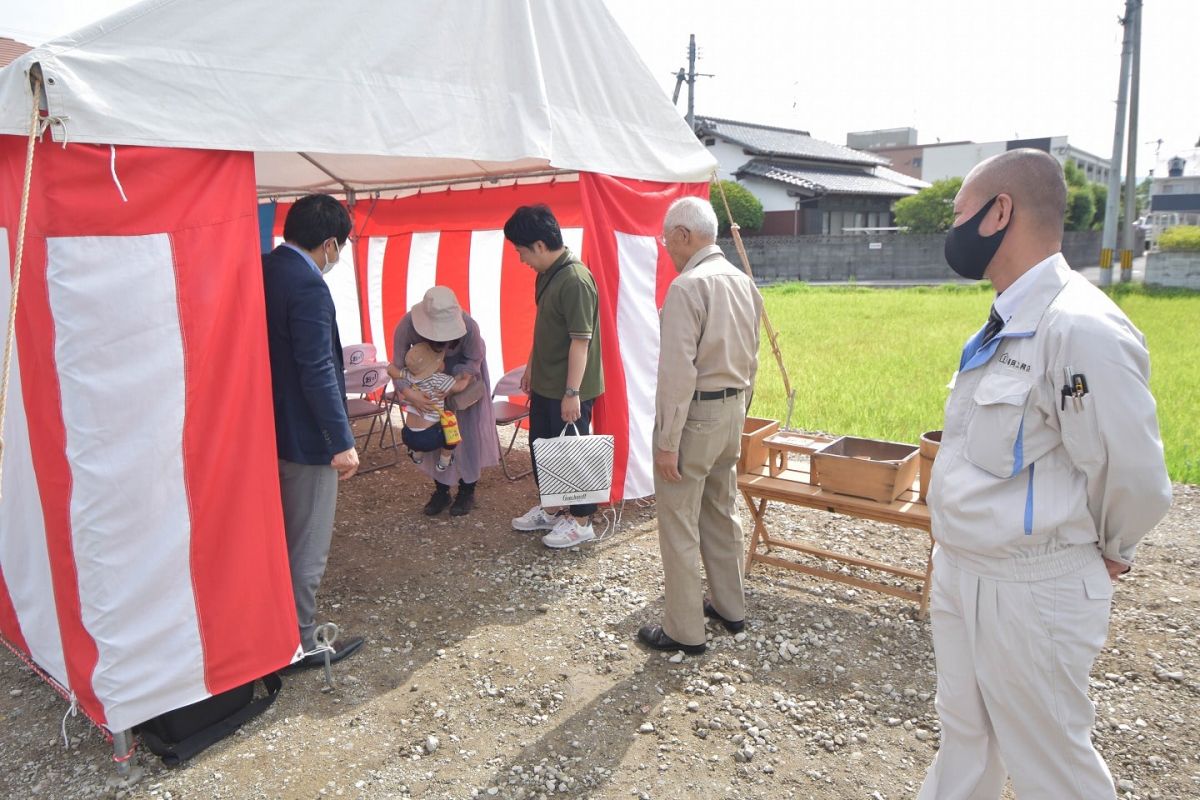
<point x="497" y="668"/>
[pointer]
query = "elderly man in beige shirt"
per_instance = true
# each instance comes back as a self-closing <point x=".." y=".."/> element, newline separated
<point x="707" y="359"/>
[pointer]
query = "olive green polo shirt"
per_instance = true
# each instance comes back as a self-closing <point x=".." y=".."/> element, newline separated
<point x="567" y="308"/>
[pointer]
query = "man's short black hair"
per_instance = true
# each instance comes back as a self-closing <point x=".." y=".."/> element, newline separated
<point x="530" y="224"/>
<point x="314" y="218"/>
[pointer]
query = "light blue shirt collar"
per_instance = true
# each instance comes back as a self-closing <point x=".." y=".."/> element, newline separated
<point x="1008" y="301"/>
<point x="305" y="255"/>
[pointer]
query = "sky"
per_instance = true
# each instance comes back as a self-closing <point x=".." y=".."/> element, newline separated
<point x="952" y="69"/>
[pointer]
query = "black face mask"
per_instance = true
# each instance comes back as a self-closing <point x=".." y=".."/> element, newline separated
<point x="966" y="251"/>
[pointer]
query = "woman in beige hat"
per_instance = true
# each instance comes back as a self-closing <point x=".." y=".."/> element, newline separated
<point x="440" y="322"/>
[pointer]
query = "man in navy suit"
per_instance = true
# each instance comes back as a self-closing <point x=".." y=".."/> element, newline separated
<point x="312" y="431"/>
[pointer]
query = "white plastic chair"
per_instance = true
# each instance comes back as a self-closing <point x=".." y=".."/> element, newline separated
<point x="366" y="390"/>
<point x="358" y="355"/>
<point x="510" y="411"/>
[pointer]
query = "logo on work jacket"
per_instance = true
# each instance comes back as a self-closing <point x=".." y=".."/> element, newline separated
<point x="1009" y="361"/>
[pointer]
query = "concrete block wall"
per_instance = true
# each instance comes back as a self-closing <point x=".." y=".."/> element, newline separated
<point x="885" y="257"/>
<point x="1177" y="269"/>
<point x="1082" y="248"/>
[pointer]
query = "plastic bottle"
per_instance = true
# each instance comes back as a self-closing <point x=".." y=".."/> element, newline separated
<point x="450" y="428"/>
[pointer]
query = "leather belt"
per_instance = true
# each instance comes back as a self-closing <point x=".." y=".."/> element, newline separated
<point x="716" y="394"/>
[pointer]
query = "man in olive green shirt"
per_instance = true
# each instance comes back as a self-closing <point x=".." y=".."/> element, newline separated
<point x="564" y="375"/>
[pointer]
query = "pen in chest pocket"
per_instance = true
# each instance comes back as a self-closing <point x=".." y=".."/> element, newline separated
<point x="1075" y="387"/>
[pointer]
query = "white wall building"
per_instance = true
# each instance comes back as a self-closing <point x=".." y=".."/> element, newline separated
<point x="956" y="160"/>
<point x="1174" y="200"/>
<point x="934" y="162"/>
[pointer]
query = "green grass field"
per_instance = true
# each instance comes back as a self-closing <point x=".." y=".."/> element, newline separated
<point x="875" y="362"/>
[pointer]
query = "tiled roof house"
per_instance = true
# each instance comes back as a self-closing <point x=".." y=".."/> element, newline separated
<point x="806" y="185"/>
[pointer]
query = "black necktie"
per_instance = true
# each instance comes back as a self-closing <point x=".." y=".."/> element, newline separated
<point x="993" y="326"/>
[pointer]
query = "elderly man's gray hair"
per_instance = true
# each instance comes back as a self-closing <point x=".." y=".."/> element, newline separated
<point x="694" y="214"/>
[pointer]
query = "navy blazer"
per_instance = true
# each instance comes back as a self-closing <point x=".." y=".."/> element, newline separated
<point x="307" y="380"/>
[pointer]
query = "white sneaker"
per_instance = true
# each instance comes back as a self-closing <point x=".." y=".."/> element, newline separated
<point x="568" y="533"/>
<point x="535" y="519"/>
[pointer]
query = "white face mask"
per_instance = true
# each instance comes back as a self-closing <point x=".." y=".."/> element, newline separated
<point x="337" y="256"/>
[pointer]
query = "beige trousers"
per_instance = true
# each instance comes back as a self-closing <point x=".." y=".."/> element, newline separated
<point x="1014" y="651"/>
<point x="696" y="520"/>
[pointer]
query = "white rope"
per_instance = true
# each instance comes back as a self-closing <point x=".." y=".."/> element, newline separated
<point x="112" y="165"/>
<point x="72" y="711"/>
<point x="45" y="123"/>
<point x="10" y="337"/>
<point x="323" y="637"/>
<point x="612" y="520"/>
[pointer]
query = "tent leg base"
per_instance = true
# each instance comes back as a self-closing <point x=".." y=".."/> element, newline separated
<point x="123" y="751"/>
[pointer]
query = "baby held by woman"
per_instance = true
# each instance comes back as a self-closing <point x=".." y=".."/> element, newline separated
<point x="435" y="428"/>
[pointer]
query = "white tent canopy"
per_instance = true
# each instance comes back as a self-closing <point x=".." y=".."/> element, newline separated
<point x="128" y="292"/>
<point x="401" y="91"/>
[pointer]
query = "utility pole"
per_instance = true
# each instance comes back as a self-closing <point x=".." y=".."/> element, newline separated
<point x="1127" y="253"/>
<point x="1109" y="241"/>
<point x="689" y="76"/>
<point x="691" y="82"/>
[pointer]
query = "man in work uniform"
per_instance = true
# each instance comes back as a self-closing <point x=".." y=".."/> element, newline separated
<point x="1050" y="472"/>
<point x="564" y="375"/>
<point x="708" y="355"/>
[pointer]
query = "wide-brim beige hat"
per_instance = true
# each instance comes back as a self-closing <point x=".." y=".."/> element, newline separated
<point x="438" y="317"/>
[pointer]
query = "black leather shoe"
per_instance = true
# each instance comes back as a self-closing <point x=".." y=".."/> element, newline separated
<point x="733" y="626"/>
<point x="341" y="650"/>
<point x="437" y="503"/>
<point x="464" y="501"/>
<point x="654" y="637"/>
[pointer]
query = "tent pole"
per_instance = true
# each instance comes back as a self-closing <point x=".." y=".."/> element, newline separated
<point x="772" y="334"/>
<point x="122" y="750"/>
<point x="349" y="192"/>
<point x="481" y="181"/>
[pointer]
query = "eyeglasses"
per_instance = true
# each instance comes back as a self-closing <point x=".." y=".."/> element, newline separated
<point x="663" y="239"/>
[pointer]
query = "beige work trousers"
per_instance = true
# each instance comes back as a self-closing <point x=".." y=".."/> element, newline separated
<point x="1014" y="652"/>
<point x="696" y="520"/>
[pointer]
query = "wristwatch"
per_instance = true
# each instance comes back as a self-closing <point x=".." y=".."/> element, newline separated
<point x="571" y="392"/>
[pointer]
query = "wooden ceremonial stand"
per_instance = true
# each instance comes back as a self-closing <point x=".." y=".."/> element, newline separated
<point x="765" y="474"/>
<point x="785" y="481"/>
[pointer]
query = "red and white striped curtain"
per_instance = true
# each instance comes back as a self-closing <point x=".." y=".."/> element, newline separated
<point x="142" y="558"/>
<point x="455" y="238"/>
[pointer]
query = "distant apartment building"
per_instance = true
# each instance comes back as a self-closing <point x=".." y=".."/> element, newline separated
<point x="1176" y="192"/>
<point x="806" y="185"/>
<point x="933" y="162"/>
<point x="1174" y="200"/>
<point x="888" y="137"/>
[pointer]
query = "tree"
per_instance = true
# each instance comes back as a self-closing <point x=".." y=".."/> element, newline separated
<point x="930" y="210"/>
<point x="1073" y="174"/>
<point x="1141" y="200"/>
<point x="1081" y="208"/>
<point x="747" y="209"/>
<point x="1100" y="200"/>
<point x="1085" y="200"/>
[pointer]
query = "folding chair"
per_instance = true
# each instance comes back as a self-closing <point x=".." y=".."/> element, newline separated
<point x="358" y="355"/>
<point x="510" y="412"/>
<point x="366" y="387"/>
